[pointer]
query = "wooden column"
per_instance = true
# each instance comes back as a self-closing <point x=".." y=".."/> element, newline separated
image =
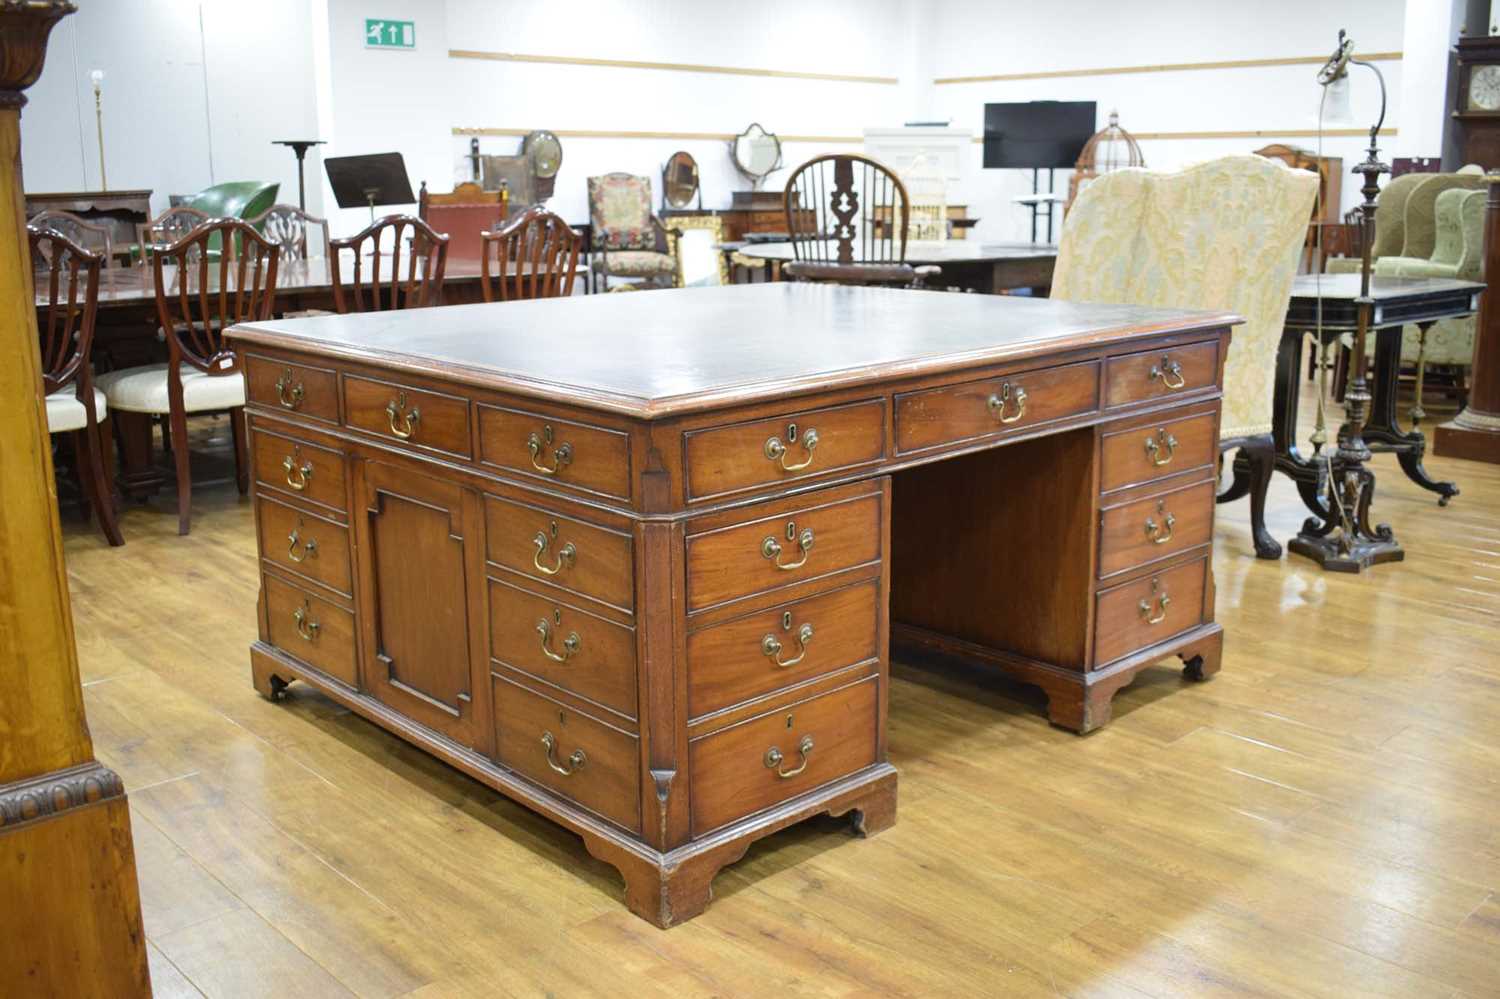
<point x="70" y="923"/>
<point x="1475" y="433"/>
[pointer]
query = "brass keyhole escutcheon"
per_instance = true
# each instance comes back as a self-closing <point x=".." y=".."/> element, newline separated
<point x="771" y="549"/>
<point x="1002" y="400"/>
<point x="403" y="421"/>
<point x="536" y="443"/>
<point x="298" y="472"/>
<point x="565" y="557"/>
<point x="571" y="645"/>
<point x="776" y="451"/>
<point x="1161" y="599"/>
<point x="1160" y="533"/>
<point x="771" y="646"/>
<point x="1169" y="372"/>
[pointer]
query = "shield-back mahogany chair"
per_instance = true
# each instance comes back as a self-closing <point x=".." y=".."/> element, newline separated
<point x="839" y="214"/>
<point x="535" y="255"/>
<point x="67" y="277"/>
<point x="94" y="238"/>
<point x="197" y="299"/>
<point x="301" y="236"/>
<point x="169" y="227"/>
<point x="384" y="287"/>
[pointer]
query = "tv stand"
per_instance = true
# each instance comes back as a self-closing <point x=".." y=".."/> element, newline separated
<point x="1041" y="203"/>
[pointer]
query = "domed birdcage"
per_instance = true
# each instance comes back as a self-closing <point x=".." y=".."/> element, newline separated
<point x="1109" y="149"/>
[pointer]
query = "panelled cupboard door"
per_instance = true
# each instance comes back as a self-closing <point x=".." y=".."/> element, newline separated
<point x="424" y="574"/>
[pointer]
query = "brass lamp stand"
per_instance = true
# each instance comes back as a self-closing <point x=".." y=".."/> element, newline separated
<point x="1346" y="540"/>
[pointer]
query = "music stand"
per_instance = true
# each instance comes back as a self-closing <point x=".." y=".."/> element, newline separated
<point x="367" y="181"/>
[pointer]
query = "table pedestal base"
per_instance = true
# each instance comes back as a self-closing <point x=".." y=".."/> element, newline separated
<point x="1348" y="541"/>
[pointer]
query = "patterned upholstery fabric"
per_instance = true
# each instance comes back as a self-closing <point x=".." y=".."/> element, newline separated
<point x="641" y="263"/>
<point x="1421" y="210"/>
<point x="620" y="210"/>
<point x="1390" y="223"/>
<point x="1225" y="234"/>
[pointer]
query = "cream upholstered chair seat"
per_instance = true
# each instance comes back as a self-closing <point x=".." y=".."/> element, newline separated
<point x="144" y="390"/>
<point x="1227" y="235"/>
<point x="65" y="412"/>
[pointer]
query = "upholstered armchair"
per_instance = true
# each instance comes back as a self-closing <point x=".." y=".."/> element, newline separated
<point x="1226" y="235"/>
<point x="628" y="240"/>
<point x="1390" y="223"/>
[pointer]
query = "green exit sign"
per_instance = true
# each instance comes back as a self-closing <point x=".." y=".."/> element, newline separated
<point x="384" y="34"/>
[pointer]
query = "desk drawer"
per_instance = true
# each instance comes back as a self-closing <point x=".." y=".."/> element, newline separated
<point x="1156" y="450"/>
<point x="292" y="388"/>
<point x="311" y="629"/>
<point x="780" y="544"/>
<point x="767" y="759"/>
<point x="412" y="416"/>
<point x="1155" y="528"/>
<point x="732" y="662"/>
<point x="995" y="406"/>
<point x="783" y="448"/>
<point x="1152" y="374"/>
<point x="295" y="468"/>
<point x="304" y="544"/>
<point x="588" y="762"/>
<point x="593" y="458"/>
<point x="564" y="646"/>
<point x="559" y="550"/>
<point x="1148" y="610"/>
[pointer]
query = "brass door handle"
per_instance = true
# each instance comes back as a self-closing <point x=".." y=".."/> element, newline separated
<point x="575" y="761"/>
<point x="306" y="626"/>
<point x="309" y="547"/>
<point x="396" y="409"/>
<point x="1167" y="370"/>
<point x="1160" y="534"/>
<point x="571" y="644"/>
<point x="561" y="457"/>
<point x="771" y="548"/>
<point x="287" y="391"/>
<point x="774" y="758"/>
<point x="1161" y="599"/>
<point x="1001" y="400"/>
<point x="770" y="647"/>
<point x="1161" y="444"/>
<point x="777" y="451"/>
<point x="297" y="475"/>
<point x="564" y="558"/>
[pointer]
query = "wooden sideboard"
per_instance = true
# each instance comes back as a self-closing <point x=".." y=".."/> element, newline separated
<point x="645" y="582"/>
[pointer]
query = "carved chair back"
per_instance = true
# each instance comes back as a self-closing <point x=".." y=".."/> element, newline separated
<point x="620" y="213"/>
<point x="301" y="236"/>
<point x="535" y="255"/>
<point x="838" y="209"/>
<point x="67" y="275"/>
<point x="95" y="238"/>
<point x="198" y="298"/>
<point x="172" y="226"/>
<point x="377" y="282"/>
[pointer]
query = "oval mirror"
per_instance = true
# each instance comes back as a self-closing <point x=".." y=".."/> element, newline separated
<point x="756" y="152"/>
<point x="679" y="180"/>
<point x="544" y="150"/>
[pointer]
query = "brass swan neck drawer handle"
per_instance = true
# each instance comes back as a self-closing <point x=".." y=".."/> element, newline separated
<point x="288" y="392"/>
<point x="561" y="456"/>
<point x="774" y="758"/>
<point x="294" y="541"/>
<point x="1001" y="400"/>
<point x="777" y="451"/>
<point x="771" y="647"/>
<point x="1161" y="448"/>
<point x="396" y="410"/>
<point x="771" y="548"/>
<point x="306" y="626"/>
<point x="297" y="475"/>
<point x="1169" y="372"/>
<point x="571" y="644"/>
<point x="1161" y="533"/>
<point x="1162" y="601"/>
<point x="564" y="558"/>
<point x="575" y="761"/>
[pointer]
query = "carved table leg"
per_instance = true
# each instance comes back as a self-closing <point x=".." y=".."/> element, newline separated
<point x="1383" y="431"/>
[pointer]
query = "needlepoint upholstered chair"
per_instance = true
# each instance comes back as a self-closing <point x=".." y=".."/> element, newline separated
<point x="197" y="299"/>
<point x="67" y="284"/>
<point x="1226" y="234"/>
<point x="628" y="240"/>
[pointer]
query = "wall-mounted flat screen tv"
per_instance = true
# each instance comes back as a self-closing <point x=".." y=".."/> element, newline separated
<point x="1037" y="134"/>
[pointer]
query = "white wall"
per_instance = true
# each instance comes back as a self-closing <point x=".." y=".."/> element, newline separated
<point x="973" y="39"/>
<point x="168" y="125"/>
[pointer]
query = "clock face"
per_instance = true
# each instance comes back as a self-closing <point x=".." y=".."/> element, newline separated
<point x="1484" y="88"/>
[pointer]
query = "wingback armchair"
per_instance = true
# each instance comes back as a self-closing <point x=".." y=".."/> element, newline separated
<point x="1226" y="234"/>
<point x="628" y="240"/>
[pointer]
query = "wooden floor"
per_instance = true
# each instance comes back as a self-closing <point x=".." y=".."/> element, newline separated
<point x="1322" y="819"/>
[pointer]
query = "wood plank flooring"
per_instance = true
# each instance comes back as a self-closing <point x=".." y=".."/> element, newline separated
<point x="1318" y="820"/>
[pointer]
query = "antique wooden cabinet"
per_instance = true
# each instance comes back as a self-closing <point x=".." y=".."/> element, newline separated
<point x="636" y="560"/>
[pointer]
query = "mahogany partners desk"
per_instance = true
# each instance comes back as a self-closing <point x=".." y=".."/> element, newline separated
<point x="636" y="560"/>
